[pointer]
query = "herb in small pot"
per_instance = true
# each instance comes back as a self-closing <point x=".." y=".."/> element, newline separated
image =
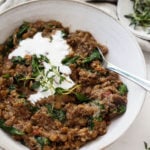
<point x="141" y="15"/>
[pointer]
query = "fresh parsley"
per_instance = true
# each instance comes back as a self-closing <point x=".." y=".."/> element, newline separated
<point x="58" y="114"/>
<point x="93" y="56"/>
<point x="43" y="141"/>
<point x="35" y="85"/>
<point x="64" y="34"/>
<point x="121" y="108"/>
<point x="11" y="87"/>
<point x="70" y="60"/>
<point x="60" y="91"/>
<point x="42" y="77"/>
<point x="91" y="124"/>
<point x="81" y="97"/>
<point x="18" y="60"/>
<point x="6" y="76"/>
<point x="123" y="90"/>
<point x="141" y="15"/>
<point x="23" y="29"/>
<point x="10" y="129"/>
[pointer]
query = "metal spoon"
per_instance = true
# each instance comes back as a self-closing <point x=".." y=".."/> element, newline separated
<point x="142" y="82"/>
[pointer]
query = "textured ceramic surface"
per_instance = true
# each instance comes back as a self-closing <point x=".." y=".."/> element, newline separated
<point x="125" y="7"/>
<point x="123" y="49"/>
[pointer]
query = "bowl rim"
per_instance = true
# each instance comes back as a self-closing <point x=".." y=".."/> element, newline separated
<point x="131" y="35"/>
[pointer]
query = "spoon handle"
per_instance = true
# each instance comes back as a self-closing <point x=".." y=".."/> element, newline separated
<point x="142" y="82"/>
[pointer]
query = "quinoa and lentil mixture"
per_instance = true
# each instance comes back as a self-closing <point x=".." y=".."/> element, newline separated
<point x="70" y="118"/>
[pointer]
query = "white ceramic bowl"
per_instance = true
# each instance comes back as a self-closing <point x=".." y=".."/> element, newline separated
<point x="123" y="51"/>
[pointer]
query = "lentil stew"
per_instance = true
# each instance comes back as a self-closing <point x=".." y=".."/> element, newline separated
<point x="69" y="118"/>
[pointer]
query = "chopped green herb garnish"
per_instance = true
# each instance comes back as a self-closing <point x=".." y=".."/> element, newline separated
<point x="56" y="113"/>
<point x="123" y="90"/>
<point x="45" y="81"/>
<point x="43" y="141"/>
<point x="91" y="123"/>
<point x="9" y="129"/>
<point x="64" y="34"/>
<point x="33" y="109"/>
<point x="37" y="65"/>
<point x="121" y="109"/>
<point x="99" y="118"/>
<point x="70" y="60"/>
<point x="18" y="78"/>
<point x="60" y="91"/>
<point x="18" y="60"/>
<point x="23" y="29"/>
<point x="7" y="76"/>
<point x="12" y="87"/>
<point x="43" y="58"/>
<point x="101" y="106"/>
<point x="82" y="98"/>
<point x="35" y="85"/>
<point x="141" y="15"/>
<point x="22" y="95"/>
<point x="94" y="55"/>
<point x="9" y="42"/>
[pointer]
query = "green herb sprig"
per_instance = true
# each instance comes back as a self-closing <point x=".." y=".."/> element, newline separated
<point x="43" y="141"/>
<point x="18" y="60"/>
<point x="70" y="60"/>
<point x="121" y="108"/>
<point x="95" y="55"/>
<point x="58" y="114"/>
<point x="61" y="91"/>
<point x="123" y="90"/>
<point x="9" y="129"/>
<point x="23" y="29"/>
<point x="82" y="98"/>
<point x="141" y="15"/>
<point x="43" y="79"/>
